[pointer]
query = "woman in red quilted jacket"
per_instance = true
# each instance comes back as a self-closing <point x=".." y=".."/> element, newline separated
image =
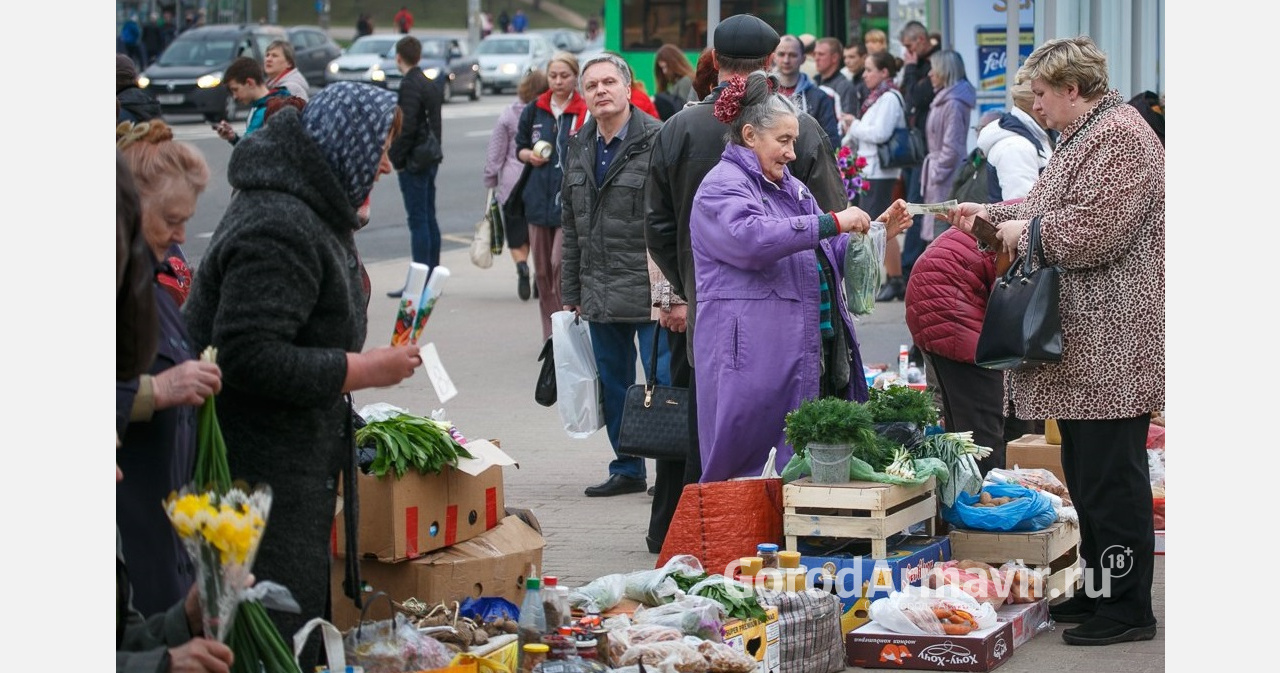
<point x="945" y="302"/>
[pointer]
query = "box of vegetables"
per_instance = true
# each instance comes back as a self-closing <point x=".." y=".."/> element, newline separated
<point x="423" y="490"/>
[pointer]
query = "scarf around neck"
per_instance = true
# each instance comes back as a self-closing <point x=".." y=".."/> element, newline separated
<point x="876" y="93"/>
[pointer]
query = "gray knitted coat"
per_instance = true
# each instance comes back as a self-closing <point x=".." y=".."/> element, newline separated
<point x="281" y="295"/>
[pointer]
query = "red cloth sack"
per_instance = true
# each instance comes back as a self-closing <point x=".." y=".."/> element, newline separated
<point x="723" y="521"/>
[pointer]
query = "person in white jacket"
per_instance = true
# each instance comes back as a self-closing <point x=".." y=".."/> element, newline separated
<point x="1017" y="145"/>
<point x="881" y="112"/>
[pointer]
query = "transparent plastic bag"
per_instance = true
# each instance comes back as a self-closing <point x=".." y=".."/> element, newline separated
<point x="693" y="615"/>
<point x="599" y="594"/>
<point x="579" y="400"/>
<point x="862" y="271"/>
<point x="670" y="655"/>
<point x="655" y="587"/>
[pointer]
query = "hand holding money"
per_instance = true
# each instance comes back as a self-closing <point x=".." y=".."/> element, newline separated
<point x="896" y="219"/>
<point x="931" y="208"/>
<point x="961" y="215"/>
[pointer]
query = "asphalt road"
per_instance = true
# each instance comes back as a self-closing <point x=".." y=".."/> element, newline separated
<point x="460" y="191"/>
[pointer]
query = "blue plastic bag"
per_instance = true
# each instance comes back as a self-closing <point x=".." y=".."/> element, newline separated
<point x="488" y="608"/>
<point x="1032" y="510"/>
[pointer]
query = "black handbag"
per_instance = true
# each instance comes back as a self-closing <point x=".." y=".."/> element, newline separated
<point x="425" y="154"/>
<point x="655" y="418"/>
<point x="905" y="148"/>
<point x="1022" y="327"/>
<point x="545" y="392"/>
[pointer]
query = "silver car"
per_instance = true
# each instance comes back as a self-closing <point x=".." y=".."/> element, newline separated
<point x="366" y="60"/>
<point x="505" y="58"/>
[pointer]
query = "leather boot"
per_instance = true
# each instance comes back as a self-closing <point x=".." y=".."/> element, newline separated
<point x="892" y="289"/>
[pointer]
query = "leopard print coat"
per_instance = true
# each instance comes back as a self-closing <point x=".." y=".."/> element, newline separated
<point x="1101" y="206"/>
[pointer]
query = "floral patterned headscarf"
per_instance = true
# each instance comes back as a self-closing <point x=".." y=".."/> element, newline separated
<point x="350" y="123"/>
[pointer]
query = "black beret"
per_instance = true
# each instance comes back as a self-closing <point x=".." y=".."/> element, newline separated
<point x="744" y="36"/>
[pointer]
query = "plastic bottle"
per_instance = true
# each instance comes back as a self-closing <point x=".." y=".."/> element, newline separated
<point x="533" y="619"/>
<point x="904" y="354"/>
<point x="555" y="611"/>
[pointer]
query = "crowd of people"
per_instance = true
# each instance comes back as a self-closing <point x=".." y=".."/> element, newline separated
<point x="721" y="207"/>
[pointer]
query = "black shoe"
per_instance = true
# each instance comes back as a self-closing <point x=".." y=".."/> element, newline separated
<point x="395" y="294"/>
<point x="522" y="282"/>
<point x="616" y="484"/>
<point x="892" y="289"/>
<point x="1075" y="610"/>
<point x="650" y="491"/>
<point x="654" y="546"/>
<point x="1106" y="631"/>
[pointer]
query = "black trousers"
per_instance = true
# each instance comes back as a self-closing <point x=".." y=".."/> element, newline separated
<point x="973" y="399"/>
<point x="671" y="476"/>
<point x="1105" y="463"/>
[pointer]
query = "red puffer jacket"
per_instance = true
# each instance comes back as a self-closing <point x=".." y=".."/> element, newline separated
<point x="947" y="295"/>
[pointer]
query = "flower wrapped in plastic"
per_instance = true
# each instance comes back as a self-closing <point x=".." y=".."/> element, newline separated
<point x="221" y="531"/>
<point x="851" y="166"/>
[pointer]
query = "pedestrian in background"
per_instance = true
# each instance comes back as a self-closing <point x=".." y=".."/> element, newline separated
<point x="364" y="25"/>
<point x="155" y="412"/>
<point x="1101" y="204"/>
<point x="673" y="76"/>
<point x="133" y="104"/>
<point x="403" y="20"/>
<point x="247" y="84"/>
<point x="279" y="68"/>
<point x="1017" y="145"/>
<point x="946" y="132"/>
<point x="551" y="119"/>
<point x="283" y="296"/>
<point x="880" y="114"/>
<point x="502" y="169"/>
<point x="787" y="61"/>
<point x="419" y="99"/>
<point x="705" y="75"/>
<point x="606" y="271"/>
<point x="519" y="22"/>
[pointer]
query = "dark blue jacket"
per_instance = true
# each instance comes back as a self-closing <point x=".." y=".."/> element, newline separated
<point x="541" y="191"/>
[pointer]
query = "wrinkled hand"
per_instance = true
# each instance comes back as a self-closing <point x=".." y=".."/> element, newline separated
<point x="961" y="216"/>
<point x="187" y="384"/>
<point x="381" y="367"/>
<point x="200" y="655"/>
<point x="852" y="219"/>
<point x="1010" y="231"/>
<point x="896" y="219"/>
<point x="675" y="320"/>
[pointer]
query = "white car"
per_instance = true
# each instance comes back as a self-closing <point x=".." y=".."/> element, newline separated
<point x="505" y="58"/>
<point x="367" y="60"/>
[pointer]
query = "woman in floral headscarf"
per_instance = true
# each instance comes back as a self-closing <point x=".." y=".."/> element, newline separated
<point x="282" y="295"/>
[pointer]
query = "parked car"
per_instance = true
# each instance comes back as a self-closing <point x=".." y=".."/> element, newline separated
<point x="566" y="39"/>
<point x="445" y="59"/>
<point x="312" y="51"/>
<point x="505" y="58"/>
<point x="368" y="60"/>
<point x="187" y="78"/>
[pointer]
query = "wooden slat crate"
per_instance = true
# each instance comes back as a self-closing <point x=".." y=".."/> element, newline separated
<point x="857" y="509"/>
<point x="1054" y="549"/>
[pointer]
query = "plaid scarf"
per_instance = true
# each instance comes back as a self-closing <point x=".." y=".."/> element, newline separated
<point x="876" y="93"/>
<point x="350" y="123"/>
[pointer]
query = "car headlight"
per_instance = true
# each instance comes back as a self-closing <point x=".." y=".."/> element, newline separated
<point x="509" y="69"/>
<point x="333" y="67"/>
<point x="376" y="74"/>
<point x="210" y="81"/>
<point x="143" y="81"/>
<point x="431" y="73"/>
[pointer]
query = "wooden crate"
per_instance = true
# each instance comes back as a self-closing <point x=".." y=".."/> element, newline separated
<point x="857" y="509"/>
<point x="1053" y="551"/>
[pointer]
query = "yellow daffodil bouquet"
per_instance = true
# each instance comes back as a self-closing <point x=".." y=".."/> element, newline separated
<point x="221" y="532"/>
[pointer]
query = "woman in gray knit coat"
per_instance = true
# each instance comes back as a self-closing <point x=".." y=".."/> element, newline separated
<point x="282" y="295"/>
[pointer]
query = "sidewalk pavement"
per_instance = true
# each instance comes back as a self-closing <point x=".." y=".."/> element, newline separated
<point x="488" y="341"/>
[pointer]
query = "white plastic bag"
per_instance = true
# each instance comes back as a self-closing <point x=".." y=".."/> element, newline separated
<point x="481" y="251"/>
<point x="578" y="394"/>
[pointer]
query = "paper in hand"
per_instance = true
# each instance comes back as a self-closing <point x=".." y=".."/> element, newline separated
<point x="931" y="208"/>
<point x="440" y="381"/>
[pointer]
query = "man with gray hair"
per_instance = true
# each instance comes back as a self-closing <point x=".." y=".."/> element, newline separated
<point x="688" y="146"/>
<point x="605" y="278"/>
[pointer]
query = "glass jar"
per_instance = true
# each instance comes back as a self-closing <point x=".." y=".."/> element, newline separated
<point x="788" y="559"/>
<point x="768" y="553"/>
<point x="534" y="654"/>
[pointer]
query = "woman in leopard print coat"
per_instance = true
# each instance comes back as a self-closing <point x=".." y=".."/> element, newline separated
<point x="1101" y="206"/>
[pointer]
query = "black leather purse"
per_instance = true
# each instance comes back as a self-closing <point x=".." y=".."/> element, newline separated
<point x="427" y="153"/>
<point x="545" y="392"/>
<point x="655" y="418"/>
<point x="1022" y="327"/>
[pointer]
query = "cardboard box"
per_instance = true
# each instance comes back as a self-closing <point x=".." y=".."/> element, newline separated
<point x="494" y="563"/>
<point x="404" y="518"/>
<point x="757" y="639"/>
<point x="1052" y="552"/>
<point x="873" y="646"/>
<point x="1031" y="451"/>
<point x="906" y="562"/>
<point x="1026" y="619"/>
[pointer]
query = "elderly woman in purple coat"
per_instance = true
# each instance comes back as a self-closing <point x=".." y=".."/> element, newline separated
<point x="773" y="327"/>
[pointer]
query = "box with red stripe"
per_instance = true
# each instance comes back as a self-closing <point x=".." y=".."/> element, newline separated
<point x="405" y="518"/>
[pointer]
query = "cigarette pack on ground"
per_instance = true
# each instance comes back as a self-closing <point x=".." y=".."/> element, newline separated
<point x="410" y="299"/>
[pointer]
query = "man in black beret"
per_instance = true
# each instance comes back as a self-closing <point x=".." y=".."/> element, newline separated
<point x="688" y="146"/>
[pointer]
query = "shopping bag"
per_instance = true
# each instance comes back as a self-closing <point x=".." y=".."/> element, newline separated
<point x="481" y="251"/>
<point x="578" y="395"/>
<point x="497" y="226"/>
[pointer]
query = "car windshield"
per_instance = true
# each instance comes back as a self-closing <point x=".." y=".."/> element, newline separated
<point x="433" y="49"/>
<point x="200" y="50"/>
<point x="504" y="46"/>
<point x="373" y="47"/>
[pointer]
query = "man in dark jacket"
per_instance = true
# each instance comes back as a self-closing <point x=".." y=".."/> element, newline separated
<point x="132" y="103"/>
<point x="918" y="92"/>
<point x="419" y="102"/>
<point x="688" y="146"/>
<point x="606" y="272"/>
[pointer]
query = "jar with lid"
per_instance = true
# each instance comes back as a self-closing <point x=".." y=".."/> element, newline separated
<point x="788" y="559"/>
<point x="533" y="655"/>
<point x="768" y="553"/>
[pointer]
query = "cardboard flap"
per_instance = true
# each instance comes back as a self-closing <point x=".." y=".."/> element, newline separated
<point x="486" y="456"/>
